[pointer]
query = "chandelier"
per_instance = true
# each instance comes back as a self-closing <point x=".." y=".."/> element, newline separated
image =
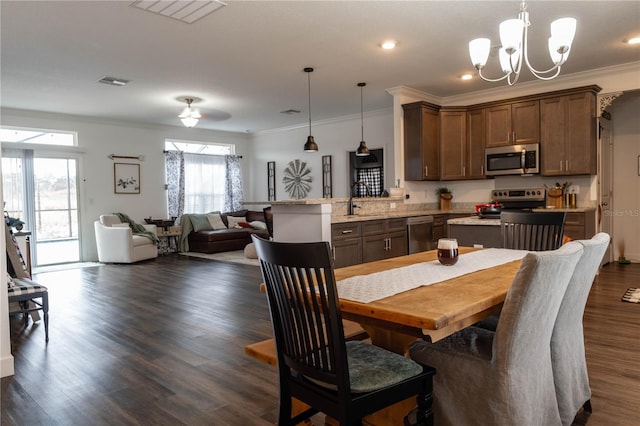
<point x="513" y="52"/>
<point x="189" y="116"/>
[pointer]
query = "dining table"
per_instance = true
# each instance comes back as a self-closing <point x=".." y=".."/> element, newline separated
<point x="430" y="312"/>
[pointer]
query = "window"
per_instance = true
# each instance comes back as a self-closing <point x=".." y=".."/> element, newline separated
<point x="38" y="136"/>
<point x="204" y="179"/>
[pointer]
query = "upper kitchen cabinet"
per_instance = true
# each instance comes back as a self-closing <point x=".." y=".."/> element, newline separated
<point x="513" y="123"/>
<point x="569" y="134"/>
<point x="461" y="143"/>
<point x="421" y="141"/>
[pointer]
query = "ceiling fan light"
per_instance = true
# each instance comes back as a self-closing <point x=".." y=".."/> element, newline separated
<point x="511" y="34"/>
<point x="189" y="121"/>
<point x="479" y="49"/>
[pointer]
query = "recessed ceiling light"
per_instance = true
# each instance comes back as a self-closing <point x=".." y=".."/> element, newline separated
<point x="466" y="77"/>
<point x="389" y="44"/>
<point x="634" y="40"/>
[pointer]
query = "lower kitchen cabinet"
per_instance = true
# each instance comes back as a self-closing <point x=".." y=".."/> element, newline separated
<point x="367" y="241"/>
<point x="346" y="244"/>
<point x="580" y="225"/>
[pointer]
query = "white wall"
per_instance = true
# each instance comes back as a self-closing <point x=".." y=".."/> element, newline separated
<point x="336" y="138"/>
<point x="98" y="139"/>
<point x="626" y="176"/>
<point x="6" y="359"/>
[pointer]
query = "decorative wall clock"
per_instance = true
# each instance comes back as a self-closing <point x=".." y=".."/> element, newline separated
<point x="297" y="179"/>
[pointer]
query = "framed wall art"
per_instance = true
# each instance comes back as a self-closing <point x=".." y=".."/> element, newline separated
<point x="126" y="178"/>
<point x="271" y="180"/>
<point x="327" y="185"/>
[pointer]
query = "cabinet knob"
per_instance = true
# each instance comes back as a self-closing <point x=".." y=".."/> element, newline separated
<point x="347" y="231"/>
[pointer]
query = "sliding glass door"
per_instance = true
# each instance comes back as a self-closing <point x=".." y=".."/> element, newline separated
<point x="42" y="192"/>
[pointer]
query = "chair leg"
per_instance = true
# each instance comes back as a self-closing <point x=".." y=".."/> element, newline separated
<point x="45" y="311"/>
<point x="587" y="406"/>
<point x="423" y="414"/>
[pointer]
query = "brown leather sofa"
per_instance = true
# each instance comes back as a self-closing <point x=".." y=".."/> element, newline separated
<point x="219" y="240"/>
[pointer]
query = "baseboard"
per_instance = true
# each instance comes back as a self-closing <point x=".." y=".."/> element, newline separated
<point x="6" y="366"/>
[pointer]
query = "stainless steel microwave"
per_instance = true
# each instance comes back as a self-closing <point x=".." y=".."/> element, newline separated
<point x="512" y="160"/>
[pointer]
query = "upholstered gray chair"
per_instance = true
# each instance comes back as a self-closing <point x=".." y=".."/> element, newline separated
<point x="505" y="377"/>
<point x="567" y="341"/>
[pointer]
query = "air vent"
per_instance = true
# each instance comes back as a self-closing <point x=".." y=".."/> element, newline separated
<point x="114" y="81"/>
<point x="290" y="111"/>
<point x="188" y="11"/>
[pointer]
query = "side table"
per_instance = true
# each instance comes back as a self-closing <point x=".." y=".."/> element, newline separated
<point x="166" y="237"/>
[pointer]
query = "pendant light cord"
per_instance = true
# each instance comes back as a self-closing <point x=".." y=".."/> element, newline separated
<point x="361" y="113"/>
<point x="309" y="71"/>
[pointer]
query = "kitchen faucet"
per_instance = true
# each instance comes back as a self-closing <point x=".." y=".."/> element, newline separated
<point x="368" y="193"/>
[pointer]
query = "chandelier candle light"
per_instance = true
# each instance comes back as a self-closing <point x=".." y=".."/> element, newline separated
<point x="189" y="116"/>
<point x="513" y="36"/>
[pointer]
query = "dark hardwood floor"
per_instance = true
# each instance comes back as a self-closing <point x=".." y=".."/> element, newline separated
<point x="162" y="342"/>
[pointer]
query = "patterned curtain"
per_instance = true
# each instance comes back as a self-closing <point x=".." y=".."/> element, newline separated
<point x="174" y="165"/>
<point x="373" y="178"/>
<point x="234" y="196"/>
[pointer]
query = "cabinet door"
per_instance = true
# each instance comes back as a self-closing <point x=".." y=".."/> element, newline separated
<point x="553" y="134"/>
<point x="581" y="137"/>
<point x="475" y="144"/>
<point x="525" y="122"/>
<point x="453" y="136"/>
<point x="421" y="141"/>
<point x="347" y="252"/>
<point x="397" y="244"/>
<point x="498" y="125"/>
<point x="374" y="248"/>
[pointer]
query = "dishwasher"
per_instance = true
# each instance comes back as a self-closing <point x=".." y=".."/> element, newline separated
<point x="420" y="233"/>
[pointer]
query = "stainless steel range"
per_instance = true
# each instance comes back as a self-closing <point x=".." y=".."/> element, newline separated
<point x="520" y="199"/>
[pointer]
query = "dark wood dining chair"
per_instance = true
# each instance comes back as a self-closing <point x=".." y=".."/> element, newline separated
<point x="343" y="380"/>
<point x="532" y="231"/>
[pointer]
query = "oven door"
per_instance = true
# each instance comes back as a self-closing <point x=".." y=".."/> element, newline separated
<point x="513" y="160"/>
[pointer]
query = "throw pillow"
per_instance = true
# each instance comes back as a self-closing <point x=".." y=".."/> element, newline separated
<point x="233" y="221"/>
<point x="256" y="224"/>
<point x="245" y="225"/>
<point x="216" y="221"/>
<point x="200" y="222"/>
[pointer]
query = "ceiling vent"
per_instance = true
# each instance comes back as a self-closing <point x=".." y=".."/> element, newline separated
<point x="114" y="81"/>
<point x="188" y="11"/>
<point x="290" y="111"/>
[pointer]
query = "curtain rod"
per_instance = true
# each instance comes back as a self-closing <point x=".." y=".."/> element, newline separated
<point x="194" y="153"/>
<point x="130" y="157"/>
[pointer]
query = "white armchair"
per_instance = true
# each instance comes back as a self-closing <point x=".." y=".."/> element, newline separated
<point x="117" y="244"/>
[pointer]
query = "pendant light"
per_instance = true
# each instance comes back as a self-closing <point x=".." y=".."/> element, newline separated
<point x="362" y="150"/>
<point x="311" y="145"/>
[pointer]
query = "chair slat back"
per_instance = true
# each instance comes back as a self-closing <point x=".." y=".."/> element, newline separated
<point x="305" y="314"/>
<point x="532" y="231"/>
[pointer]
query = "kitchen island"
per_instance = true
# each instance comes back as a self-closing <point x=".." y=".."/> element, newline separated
<point x="474" y="231"/>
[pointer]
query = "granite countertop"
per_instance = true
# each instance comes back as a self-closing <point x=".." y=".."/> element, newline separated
<point x="473" y="220"/>
<point x="568" y="210"/>
<point x="393" y="215"/>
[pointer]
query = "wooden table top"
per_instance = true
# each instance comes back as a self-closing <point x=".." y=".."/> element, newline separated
<point x="433" y="311"/>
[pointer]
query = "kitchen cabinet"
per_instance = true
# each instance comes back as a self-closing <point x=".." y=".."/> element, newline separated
<point x="513" y="123"/>
<point x="580" y="225"/>
<point x="421" y="141"/>
<point x="382" y="239"/>
<point x="346" y="244"/>
<point x="569" y="141"/>
<point x="453" y="144"/>
<point x="475" y="144"/>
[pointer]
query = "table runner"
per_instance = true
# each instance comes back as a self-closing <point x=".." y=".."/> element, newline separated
<point x="371" y="287"/>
